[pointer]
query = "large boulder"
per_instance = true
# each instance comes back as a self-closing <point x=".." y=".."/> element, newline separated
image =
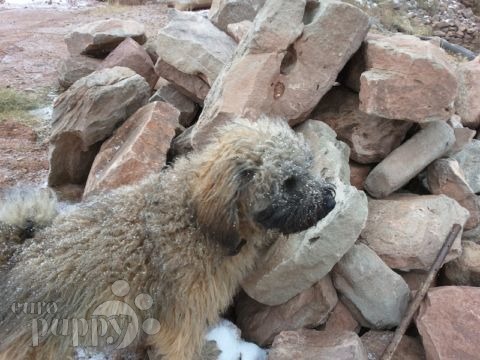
<point x="100" y="37"/>
<point x="74" y="68"/>
<point x="466" y="103"/>
<point x="131" y="55"/>
<point x="318" y="345"/>
<point x="448" y="323"/>
<point x="261" y="323"/>
<point x="376" y="295"/>
<point x="407" y="231"/>
<point x="444" y="176"/>
<point x="409" y="159"/>
<point x="137" y="149"/>
<point x="85" y="115"/>
<point x="225" y="12"/>
<point x="194" y="46"/>
<point x="371" y="138"/>
<point x="465" y="270"/>
<point x="469" y="161"/>
<point x="286" y="63"/>
<point x="407" y="79"/>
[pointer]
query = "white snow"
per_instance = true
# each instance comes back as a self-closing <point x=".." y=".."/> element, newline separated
<point x="55" y="4"/>
<point x="232" y="347"/>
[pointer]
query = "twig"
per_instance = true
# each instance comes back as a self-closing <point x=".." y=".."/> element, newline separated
<point x="415" y="304"/>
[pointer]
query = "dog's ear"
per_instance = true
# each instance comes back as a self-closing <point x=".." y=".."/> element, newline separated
<point x="215" y="199"/>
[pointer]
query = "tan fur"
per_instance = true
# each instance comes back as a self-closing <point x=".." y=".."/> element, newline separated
<point x="168" y="237"/>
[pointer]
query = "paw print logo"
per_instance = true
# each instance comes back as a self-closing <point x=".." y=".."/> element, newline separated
<point x="114" y="309"/>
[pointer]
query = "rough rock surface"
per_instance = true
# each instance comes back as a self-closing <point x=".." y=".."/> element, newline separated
<point x="75" y="67"/>
<point x="376" y="295"/>
<point x="86" y="114"/>
<point x="407" y="231"/>
<point x="469" y="161"/>
<point x="137" y="149"/>
<point x="448" y="323"/>
<point x="193" y="45"/>
<point x="225" y="12"/>
<point x="358" y="174"/>
<point x="317" y="345"/>
<point x="340" y="320"/>
<point x="371" y="138"/>
<point x="406" y="161"/>
<point x="463" y="137"/>
<point x="407" y="79"/>
<point x="415" y="279"/>
<point x="239" y="30"/>
<point x="100" y="37"/>
<point x="167" y="92"/>
<point x="444" y="176"/>
<point x="284" y="70"/>
<point x="261" y="323"/>
<point x="133" y="56"/>
<point x="376" y="342"/>
<point x="465" y="270"/>
<point x="330" y="155"/>
<point x="467" y="104"/>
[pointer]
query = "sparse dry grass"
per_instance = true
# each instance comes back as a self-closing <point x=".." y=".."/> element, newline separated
<point x="15" y="105"/>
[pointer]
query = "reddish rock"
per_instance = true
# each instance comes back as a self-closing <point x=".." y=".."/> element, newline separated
<point x="465" y="270"/>
<point x="376" y="342"/>
<point x="131" y="55"/>
<point x="371" y="138"/>
<point x="445" y="176"/>
<point x="100" y="37"/>
<point x="358" y="174"/>
<point x="467" y="104"/>
<point x="407" y="231"/>
<point x="448" y="321"/>
<point x="290" y="59"/>
<point x="341" y="320"/>
<point x="415" y="279"/>
<point x="407" y="79"/>
<point x="137" y="149"/>
<point x="261" y="323"/>
<point x="238" y="30"/>
<point x="317" y="345"/>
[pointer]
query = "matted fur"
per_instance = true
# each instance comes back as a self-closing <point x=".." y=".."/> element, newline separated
<point x="173" y="236"/>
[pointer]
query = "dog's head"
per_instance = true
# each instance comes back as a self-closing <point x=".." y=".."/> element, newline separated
<point x="258" y="173"/>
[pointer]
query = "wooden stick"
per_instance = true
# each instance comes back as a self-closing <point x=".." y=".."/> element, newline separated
<point x="415" y="304"/>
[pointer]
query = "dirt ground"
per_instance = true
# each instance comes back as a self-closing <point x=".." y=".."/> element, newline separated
<point x="31" y="46"/>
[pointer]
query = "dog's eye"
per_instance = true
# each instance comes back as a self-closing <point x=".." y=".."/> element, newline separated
<point x="247" y="175"/>
<point x="290" y="183"/>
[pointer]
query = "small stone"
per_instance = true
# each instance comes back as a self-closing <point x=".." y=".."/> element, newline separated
<point x="226" y="12"/>
<point x="358" y="174"/>
<point x="341" y="319"/>
<point x="238" y="30"/>
<point x="465" y="270"/>
<point x="469" y="161"/>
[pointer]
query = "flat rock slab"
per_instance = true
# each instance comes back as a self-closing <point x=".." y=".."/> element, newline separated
<point x="74" y="68"/>
<point x="466" y="103"/>
<point x="469" y="161"/>
<point x="193" y="45"/>
<point x="407" y="79"/>
<point x="376" y="295"/>
<point x="448" y="321"/>
<point x="86" y="114"/>
<point x="407" y="231"/>
<point x="225" y="12"/>
<point x="376" y="342"/>
<point x="100" y="37"/>
<point x="137" y="149"/>
<point x="133" y="56"/>
<point x="285" y="64"/>
<point x="317" y="345"/>
<point x="409" y="159"/>
<point x="371" y="138"/>
<point x="296" y="262"/>
<point x="261" y="323"/>
<point x="465" y="270"/>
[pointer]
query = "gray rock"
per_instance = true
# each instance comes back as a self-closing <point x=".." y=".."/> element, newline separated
<point x="374" y="293"/>
<point x="86" y="114"/>
<point x="261" y="323"/>
<point x="285" y="64"/>
<point x="193" y="45"/>
<point x="469" y="161"/>
<point x="100" y="37"/>
<point x="407" y="231"/>
<point x="75" y="67"/>
<point x="167" y="92"/>
<point x="409" y="159"/>
<point x="371" y="138"/>
<point x="225" y="12"/>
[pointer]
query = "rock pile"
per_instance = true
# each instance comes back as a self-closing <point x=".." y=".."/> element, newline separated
<point x="393" y="115"/>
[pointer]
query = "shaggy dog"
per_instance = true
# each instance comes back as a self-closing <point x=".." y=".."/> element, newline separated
<point x="186" y="237"/>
